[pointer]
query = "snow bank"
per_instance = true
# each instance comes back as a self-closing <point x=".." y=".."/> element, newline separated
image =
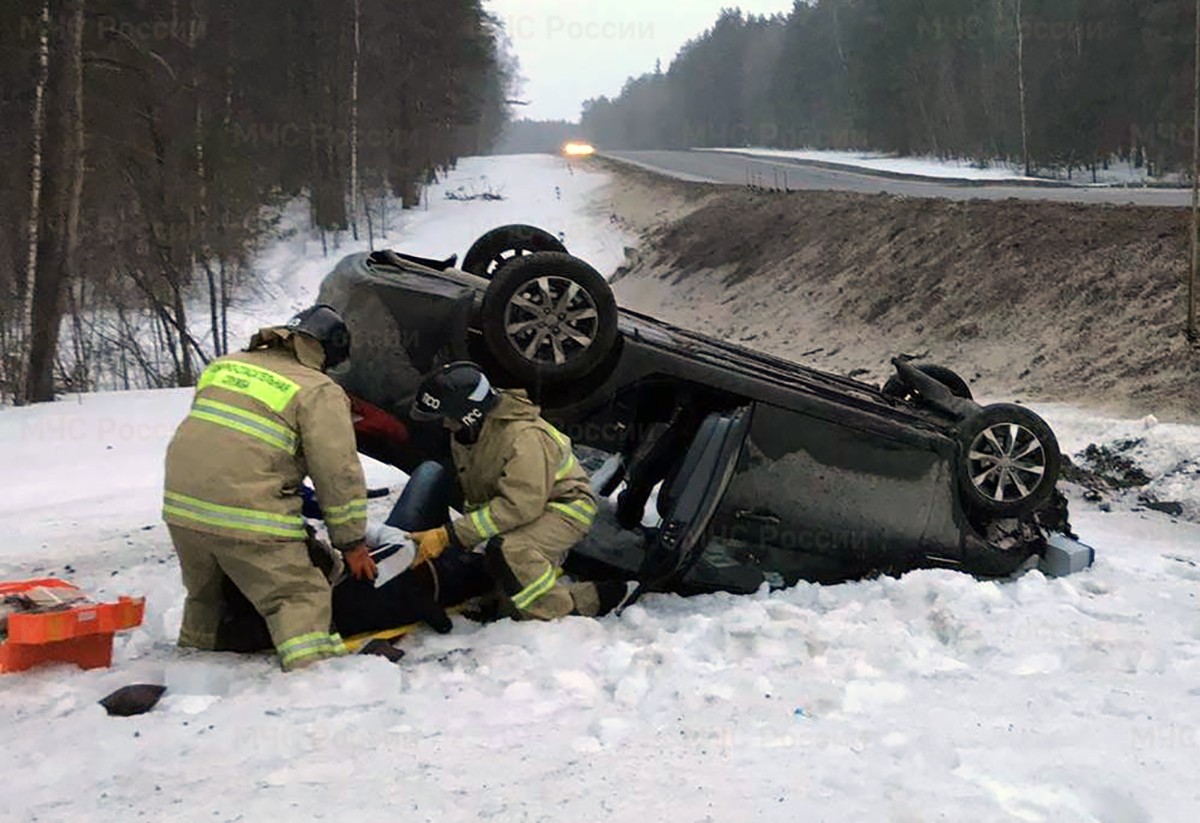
<point x="1168" y="453"/>
<point x="935" y="694"/>
<point x="538" y="189"/>
<point x="999" y="171"/>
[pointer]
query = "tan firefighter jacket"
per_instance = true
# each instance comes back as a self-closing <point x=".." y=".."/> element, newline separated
<point x="261" y="421"/>
<point x="520" y="468"/>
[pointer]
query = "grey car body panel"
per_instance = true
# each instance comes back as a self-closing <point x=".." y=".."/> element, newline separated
<point x="830" y="477"/>
<point x="820" y="491"/>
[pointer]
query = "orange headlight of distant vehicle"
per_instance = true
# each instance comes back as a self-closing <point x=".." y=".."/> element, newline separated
<point x="578" y="149"/>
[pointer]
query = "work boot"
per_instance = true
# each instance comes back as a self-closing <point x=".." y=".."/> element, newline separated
<point x="613" y="595"/>
<point x="482" y="610"/>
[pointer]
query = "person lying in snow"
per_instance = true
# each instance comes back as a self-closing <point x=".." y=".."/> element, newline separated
<point x="405" y="591"/>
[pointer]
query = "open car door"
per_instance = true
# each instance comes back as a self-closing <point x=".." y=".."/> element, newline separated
<point x="691" y="498"/>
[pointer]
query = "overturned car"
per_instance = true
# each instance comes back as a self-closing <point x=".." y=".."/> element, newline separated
<point x="723" y="468"/>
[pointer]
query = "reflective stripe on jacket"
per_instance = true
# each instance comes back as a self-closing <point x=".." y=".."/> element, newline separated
<point x="261" y="421"/>
<point x="520" y="468"/>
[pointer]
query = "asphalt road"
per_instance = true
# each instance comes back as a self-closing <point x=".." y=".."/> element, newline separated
<point x="734" y="169"/>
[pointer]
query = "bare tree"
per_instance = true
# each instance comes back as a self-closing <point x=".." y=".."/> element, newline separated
<point x="78" y="151"/>
<point x="1021" y="90"/>
<point x="354" y="120"/>
<point x="1193" y="334"/>
<point x="35" y="201"/>
<point x="61" y="154"/>
<point x="197" y="146"/>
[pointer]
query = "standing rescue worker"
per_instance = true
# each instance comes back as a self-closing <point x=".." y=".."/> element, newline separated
<point x="525" y="494"/>
<point x="261" y="421"/>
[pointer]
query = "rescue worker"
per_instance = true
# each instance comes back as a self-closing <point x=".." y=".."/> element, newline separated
<point x="261" y="421"/>
<point x="525" y="494"/>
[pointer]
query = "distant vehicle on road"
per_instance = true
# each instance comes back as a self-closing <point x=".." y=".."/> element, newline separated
<point x="578" y="148"/>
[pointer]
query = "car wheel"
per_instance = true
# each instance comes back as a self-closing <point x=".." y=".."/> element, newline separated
<point x="897" y="388"/>
<point x="549" y="318"/>
<point x="494" y="249"/>
<point x="1010" y="461"/>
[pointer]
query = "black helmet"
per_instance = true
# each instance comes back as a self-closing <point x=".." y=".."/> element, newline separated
<point x="323" y="324"/>
<point x="457" y="391"/>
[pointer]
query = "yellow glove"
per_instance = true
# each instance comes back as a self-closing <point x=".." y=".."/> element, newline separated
<point x="430" y="544"/>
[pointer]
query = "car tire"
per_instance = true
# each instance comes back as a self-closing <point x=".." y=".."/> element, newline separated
<point x="496" y="248"/>
<point x="545" y="350"/>
<point x="1009" y="462"/>
<point x="895" y="386"/>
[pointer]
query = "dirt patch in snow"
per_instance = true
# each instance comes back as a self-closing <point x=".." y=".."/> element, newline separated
<point x="1027" y="300"/>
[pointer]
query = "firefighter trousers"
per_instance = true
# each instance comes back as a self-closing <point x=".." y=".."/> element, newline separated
<point x="277" y="577"/>
<point x="527" y="563"/>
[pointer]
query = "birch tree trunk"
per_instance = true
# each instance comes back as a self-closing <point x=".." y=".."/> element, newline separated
<point x="354" y="121"/>
<point x="1021" y="91"/>
<point x="74" y="205"/>
<point x="200" y="214"/>
<point x="1193" y="333"/>
<point x="62" y="190"/>
<point x="35" y="202"/>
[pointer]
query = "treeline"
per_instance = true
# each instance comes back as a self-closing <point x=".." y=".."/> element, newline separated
<point x="1063" y="84"/>
<point x="147" y="147"/>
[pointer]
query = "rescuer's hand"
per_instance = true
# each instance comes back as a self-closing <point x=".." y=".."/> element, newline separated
<point x="359" y="561"/>
<point x="430" y="544"/>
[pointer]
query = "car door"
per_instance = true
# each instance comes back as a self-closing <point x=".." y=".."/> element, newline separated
<point x="693" y="495"/>
<point x="820" y="500"/>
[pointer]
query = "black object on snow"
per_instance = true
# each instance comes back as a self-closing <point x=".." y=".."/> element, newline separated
<point x="128" y="701"/>
<point x="382" y="648"/>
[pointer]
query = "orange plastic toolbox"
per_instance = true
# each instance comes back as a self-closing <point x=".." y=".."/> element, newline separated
<point x="81" y="633"/>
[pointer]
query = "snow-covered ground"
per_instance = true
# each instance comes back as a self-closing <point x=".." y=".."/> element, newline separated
<point x="931" y="697"/>
<point x="1118" y="173"/>
<point x="540" y="189"/>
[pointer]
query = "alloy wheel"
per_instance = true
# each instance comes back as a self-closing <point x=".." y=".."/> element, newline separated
<point x="1006" y="462"/>
<point x="550" y="320"/>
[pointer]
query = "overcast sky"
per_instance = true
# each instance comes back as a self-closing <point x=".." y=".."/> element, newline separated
<point x="571" y="50"/>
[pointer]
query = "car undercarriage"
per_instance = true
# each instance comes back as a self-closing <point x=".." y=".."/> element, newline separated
<point x="722" y="468"/>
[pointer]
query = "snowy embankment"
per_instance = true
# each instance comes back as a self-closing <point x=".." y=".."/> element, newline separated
<point x="543" y="190"/>
<point x="997" y="172"/>
<point x="930" y="697"/>
<point x="1033" y="699"/>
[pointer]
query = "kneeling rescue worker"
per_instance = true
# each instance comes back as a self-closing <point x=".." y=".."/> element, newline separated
<point x="525" y="494"/>
<point x="261" y="421"/>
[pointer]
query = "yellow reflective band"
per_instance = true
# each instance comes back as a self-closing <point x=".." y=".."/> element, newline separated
<point x="232" y="517"/>
<point x="568" y="461"/>
<point x="245" y="422"/>
<point x="307" y="645"/>
<point x="338" y="515"/>
<point x="357" y="503"/>
<point x="536" y="589"/>
<point x="566" y="467"/>
<point x="302" y="640"/>
<point x="482" y="520"/>
<point x="272" y="390"/>
<point x="582" y="510"/>
<point x="487" y="515"/>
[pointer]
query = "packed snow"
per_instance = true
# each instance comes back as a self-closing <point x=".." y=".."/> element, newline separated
<point x="1031" y="699"/>
<point x="553" y="193"/>
<point x="1118" y="172"/>
<point x="930" y="697"/>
